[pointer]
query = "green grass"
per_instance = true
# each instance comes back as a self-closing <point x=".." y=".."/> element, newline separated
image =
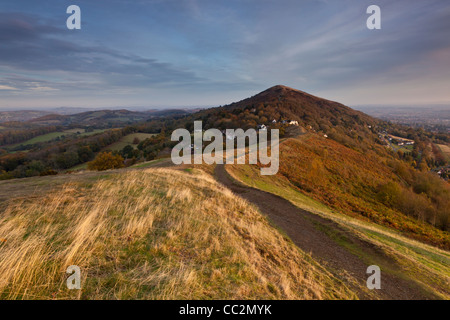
<point x="127" y="140"/>
<point x="83" y="133"/>
<point x="53" y="135"/>
<point x="149" y="164"/>
<point x="406" y="149"/>
<point x="42" y="138"/>
<point x="82" y="166"/>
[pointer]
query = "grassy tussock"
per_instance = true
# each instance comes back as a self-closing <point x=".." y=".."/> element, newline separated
<point x="154" y="234"/>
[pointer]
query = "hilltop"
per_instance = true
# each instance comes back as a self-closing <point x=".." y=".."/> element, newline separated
<point x="279" y="105"/>
<point x="282" y="102"/>
<point x="298" y="105"/>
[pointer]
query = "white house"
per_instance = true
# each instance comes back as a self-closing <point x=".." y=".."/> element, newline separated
<point x="262" y="127"/>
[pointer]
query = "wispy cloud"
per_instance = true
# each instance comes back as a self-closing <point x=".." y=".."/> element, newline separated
<point x="216" y="52"/>
<point x="2" y="87"/>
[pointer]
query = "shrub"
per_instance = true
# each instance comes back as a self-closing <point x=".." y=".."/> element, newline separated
<point x="105" y="161"/>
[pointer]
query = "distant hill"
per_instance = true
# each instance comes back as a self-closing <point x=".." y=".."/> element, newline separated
<point x="171" y="112"/>
<point x="83" y="117"/>
<point x="93" y="118"/>
<point x="23" y="115"/>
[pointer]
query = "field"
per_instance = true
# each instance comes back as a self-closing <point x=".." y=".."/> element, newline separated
<point x="42" y="138"/>
<point x="53" y="135"/>
<point x="152" y="234"/>
<point x="445" y="150"/>
<point x="128" y="140"/>
<point x="400" y="138"/>
<point x="82" y="133"/>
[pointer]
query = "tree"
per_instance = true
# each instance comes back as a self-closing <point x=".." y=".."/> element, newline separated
<point x="67" y="159"/>
<point x="105" y="161"/>
<point x="127" y="151"/>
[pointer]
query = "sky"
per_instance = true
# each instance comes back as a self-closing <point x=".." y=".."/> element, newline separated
<point x="191" y="53"/>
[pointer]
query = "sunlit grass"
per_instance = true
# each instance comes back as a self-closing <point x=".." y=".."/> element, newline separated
<point x="152" y="234"/>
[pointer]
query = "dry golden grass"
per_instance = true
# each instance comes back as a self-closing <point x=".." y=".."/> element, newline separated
<point x="153" y="234"/>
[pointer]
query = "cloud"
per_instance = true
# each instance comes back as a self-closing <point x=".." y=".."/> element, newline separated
<point x="188" y="51"/>
<point x="2" y="87"/>
<point x="26" y="44"/>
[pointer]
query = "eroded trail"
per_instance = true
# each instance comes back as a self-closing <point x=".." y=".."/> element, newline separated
<point x="311" y="233"/>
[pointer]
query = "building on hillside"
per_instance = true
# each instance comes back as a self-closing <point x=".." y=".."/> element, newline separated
<point x="262" y="127"/>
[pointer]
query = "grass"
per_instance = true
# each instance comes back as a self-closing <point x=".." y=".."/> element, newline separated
<point x="151" y="163"/>
<point x="82" y="133"/>
<point x="426" y="265"/>
<point x="445" y="149"/>
<point x="53" y="135"/>
<point x="152" y="234"/>
<point x="128" y="140"/>
<point x="42" y="138"/>
<point x="81" y="166"/>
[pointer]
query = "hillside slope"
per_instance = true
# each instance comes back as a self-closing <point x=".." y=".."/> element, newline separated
<point x="298" y="105"/>
<point x="410" y="269"/>
<point x="152" y="234"/>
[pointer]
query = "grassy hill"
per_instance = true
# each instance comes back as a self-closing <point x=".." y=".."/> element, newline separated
<point x="425" y="265"/>
<point x="151" y="234"/>
<point x="368" y="187"/>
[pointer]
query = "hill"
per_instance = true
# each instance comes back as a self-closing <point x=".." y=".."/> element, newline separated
<point x="293" y="104"/>
<point x="178" y="234"/>
<point x="100" y="118"/>
<point x="23" y="115"/>
<point x="278" y="105"/>
<point x="106" y="118"/>
<point x="346" y="243"/>
<point x="152" y="234"/>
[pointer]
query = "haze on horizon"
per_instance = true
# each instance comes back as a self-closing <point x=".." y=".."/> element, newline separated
<point x="206" y="53"/>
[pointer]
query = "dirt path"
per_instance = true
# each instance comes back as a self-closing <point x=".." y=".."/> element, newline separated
<point x="311" y="233"/>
